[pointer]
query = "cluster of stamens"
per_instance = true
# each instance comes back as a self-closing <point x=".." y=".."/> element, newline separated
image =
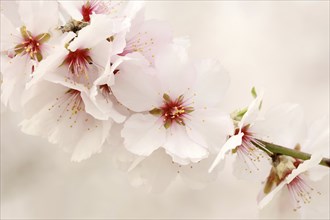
<point x="301" y="193"/>
<point x="98" y="7"/>
<point x="173" y="111"/>
<point x="70" y="104"/>
<point x="78" y="62"/>
<point x="31" y="45"/>
<point x="140" y="43"/>
<point x="106" y="92"/>
<point x="247" y="151"/>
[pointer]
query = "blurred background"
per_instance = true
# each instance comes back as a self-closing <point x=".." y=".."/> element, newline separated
<point x="282" y="47"/>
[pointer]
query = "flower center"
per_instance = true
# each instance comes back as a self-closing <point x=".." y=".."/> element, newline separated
<point x="106" y="92"/>
<point x="78" y="62"/>
<point x="93" y="6"/>
<point x="173" y="110"/>
<point x="301" y="192"/>
<point x="68" y="106"/>
<point x="31" y="45"/>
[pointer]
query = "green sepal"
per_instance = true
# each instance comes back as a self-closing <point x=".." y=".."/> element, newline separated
<point x="25" y="33"/>
<point x="38" y="56"/>
<point x="156" y="111"/>
<point x="42" y="38"/>
<point x="254" y="92"/>
<point x="167" y="124"/>
<point x="238" y="115"/>
<point x="166" y="97"/>
<point x="19" y="48"/>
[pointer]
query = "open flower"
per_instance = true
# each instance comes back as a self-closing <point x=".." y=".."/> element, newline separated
<point x="177" y="100"/>
<point x="147" y="37"/>
<point x="296" y="178"/>
<point x="61" y="116"/>
<point x="252" y="158"/>
<point x="24" y="47"/>
<point x="82" y="60"/>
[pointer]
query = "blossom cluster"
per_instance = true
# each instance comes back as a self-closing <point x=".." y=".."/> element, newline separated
<point x="94" y="74"/>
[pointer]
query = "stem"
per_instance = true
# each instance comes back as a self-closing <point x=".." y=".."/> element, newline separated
<point x="276" y="149"/>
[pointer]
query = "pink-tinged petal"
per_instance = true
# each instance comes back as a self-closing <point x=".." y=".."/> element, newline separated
<point x="9" y="35"/>
<point x="60" y="76"/>
<point x="91" y="142"/>
<point x="102" y="97"/>
<point x="88" y="38"/>
<point x="136" y="86"/>
<point x="209" y="127"/>
<point x="305" y="166"/>
<point x="101" y="54"/>
<point x="39" y="16"/>
<point x="211" y="84"/>
<point x="60" y="117"/>
<point x="181" y="147"/>
<point x="52" y="61"/>
<point x="318" y="137"/>
<point x="175" y="73"/>
<point x="279" y="207"/>
<point x="155" y="173"/>
<point x="92" y="109"/>
<point x="252" y="112"/>
<point x="143" y="134"/>
<point x="73" y="8"/>
<point x="253" y="165"/>
<point x="231" y="144"/>
<point x="196" y="175"/>
<point x="119" y="155"/>
<point x="124" y="9"/>
<point x="283" y="125"/>
<point x="15" y="75"/>
<point x="263" y="201"/>
<point x="148" y="38"/>
<point x="319" y="206"/>
<point x="119" y="42"/>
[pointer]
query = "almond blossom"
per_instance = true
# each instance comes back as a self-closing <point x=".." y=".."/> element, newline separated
<point x="299" y="177"/>
<point x="174" y="111"/>
<point x="252" y="157"/>
<point x="61" y="117"/>
<point x="23" y="48"/>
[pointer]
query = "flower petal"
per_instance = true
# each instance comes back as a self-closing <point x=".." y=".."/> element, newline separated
<point x="252" y="112"/>
<point x="148" y="38"/>
<point x="231" y="144"/>
<point x="283" y="125"/>
<point x="39" y="16"/>
<point x="209" y="127"/>
<point x="73" y="8"/>
<point x="155" y="173"/>
<point x="197" y="176"/>
<point x="182" y="148"/>
<point x="175" y="73"/>
<point x="143" y="134"/>
<point x="136" y="86"/>
<point x="211" y="84"/>
<point x="96" y="32"/>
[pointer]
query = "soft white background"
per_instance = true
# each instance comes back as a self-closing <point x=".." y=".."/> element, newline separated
<point x="280" y="46"/>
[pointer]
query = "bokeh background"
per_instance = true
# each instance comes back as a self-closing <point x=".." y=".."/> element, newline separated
<point x="282" y="47"/>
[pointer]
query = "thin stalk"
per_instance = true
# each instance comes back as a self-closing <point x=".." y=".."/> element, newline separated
<point x="276" y="149"/>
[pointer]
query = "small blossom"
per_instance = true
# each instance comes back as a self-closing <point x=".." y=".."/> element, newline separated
<point x="296" y="175"/>
<point x="61" y="117"/>
<point x="175" y="113"/>
<point x="24" y="47"/>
